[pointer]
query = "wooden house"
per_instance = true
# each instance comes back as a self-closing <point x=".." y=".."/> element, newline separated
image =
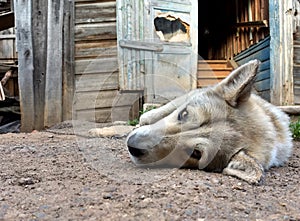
<point x="101" y="60"/>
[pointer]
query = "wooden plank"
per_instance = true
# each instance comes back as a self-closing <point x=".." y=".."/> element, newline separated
<point x="7" y="45"/>
<point x="107" y="106"/>
<point x="207" y="82"/>
<point x="263" y="75"/>
<point x="39" y="22"/>
<point x="26" y="64"/>
<point x="263" y="54"/>
<point x="97" y="12"/>
<point x="97" y="82"/>
<point x="202" y="74"/>
<point x="105" y="115"/>
<point x="139" y="45"/>
<point x="263" y="85"/>
<point x="294" y="110"/>
<point x="257" y="47"/>
<point x="103" y="99"/>
<point x="68" y="78"/>
<point x="53" y="96"/>
<point x="104" y="65"/>
<point x="253" y="24"/>
<point x="102" y="49"/>
<point x="96" y="32"/>
<point x="281" y="52"/>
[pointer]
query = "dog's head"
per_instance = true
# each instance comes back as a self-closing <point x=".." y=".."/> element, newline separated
<point x="196" y="129"/>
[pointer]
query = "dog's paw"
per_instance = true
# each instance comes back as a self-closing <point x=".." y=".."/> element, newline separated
<point x="246" y="168"/>
<point x="113" y="131"/>
<point x="95" y="132"/>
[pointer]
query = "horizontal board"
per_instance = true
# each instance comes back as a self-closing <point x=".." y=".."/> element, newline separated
<point x="262" y="85"/>
<point x="97" y="12"/>
<point x="207" y="82"/>
<point x="96" y="32"/>
<point x="103" y="99"/>
<point x="261" y="55"/>
<point x="253" y="49"/>
<point x="97" y="82"/>
<point x="105" y="115"/>
<point x="106" y="48"/>
<point x="105" y="65"/>
<point x="213" y="73"/>
<point x="263" y="75"/>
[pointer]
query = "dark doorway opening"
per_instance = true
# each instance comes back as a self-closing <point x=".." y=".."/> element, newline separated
<point x="216" y="19"/>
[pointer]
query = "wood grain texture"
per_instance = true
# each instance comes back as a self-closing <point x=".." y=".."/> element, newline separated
<point x="26" y="64"/>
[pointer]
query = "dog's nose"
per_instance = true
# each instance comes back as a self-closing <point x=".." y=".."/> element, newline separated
<point x="136" y="152"/>
<point x="133" y="150"/>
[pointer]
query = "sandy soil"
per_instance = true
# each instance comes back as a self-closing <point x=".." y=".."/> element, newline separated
<point x="51" y="176"/>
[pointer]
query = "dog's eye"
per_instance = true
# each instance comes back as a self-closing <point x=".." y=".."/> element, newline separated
<point x="183" y="115"/>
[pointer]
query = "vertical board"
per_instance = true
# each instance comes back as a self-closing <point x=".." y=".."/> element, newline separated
<point x="26" y="63"/>
<point x="296" y="67"/>
<point x="53" y="87"/>
<point x="68" y="74"/>
<point x="39" y="44"/>
<point x="281" y="52"/>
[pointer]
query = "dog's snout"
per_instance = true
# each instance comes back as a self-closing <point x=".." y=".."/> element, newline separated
<point x="136" y="152"/>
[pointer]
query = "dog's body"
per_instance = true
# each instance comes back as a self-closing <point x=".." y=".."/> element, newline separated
<point x="223" y="128"/>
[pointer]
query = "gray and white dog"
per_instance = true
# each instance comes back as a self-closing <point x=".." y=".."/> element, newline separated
<point x="223" y="128"/>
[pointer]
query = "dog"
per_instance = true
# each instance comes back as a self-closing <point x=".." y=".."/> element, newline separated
<point x="222" y="128"/>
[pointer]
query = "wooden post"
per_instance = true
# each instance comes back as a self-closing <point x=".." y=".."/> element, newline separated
<point x="68" y="60"/>
<point x="23" y="14"/>
<point x="39" y="23"/>
<point x="53" y="95"/>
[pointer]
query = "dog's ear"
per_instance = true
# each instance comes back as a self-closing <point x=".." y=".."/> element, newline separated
<point x="237" y="86"/>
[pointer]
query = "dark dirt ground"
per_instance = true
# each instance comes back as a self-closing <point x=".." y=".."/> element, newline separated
<point x="56" y="176"/>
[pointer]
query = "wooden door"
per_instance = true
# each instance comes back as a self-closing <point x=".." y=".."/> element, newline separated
<point x="157" y="47"/>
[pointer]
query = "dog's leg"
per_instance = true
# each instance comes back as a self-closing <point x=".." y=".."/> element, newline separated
<point x="246" y="168"/>
<point x="163" y="111"/>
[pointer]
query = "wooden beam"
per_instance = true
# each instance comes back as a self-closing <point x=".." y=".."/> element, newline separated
<point x="292" y="110"/>
<point x="7" y="21"/>
<point x="139" y="45"/>
<point x="39" y="22"/>
<point x="53" y="95"/>
<point x="253" y="24"/>
<point x="26" y="64"/>
<point x="68" y="77"/>
<point x="281" y="55"/>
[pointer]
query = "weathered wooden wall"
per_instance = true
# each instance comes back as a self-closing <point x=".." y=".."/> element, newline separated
<point x="260" y="51"/>
<point x="44" y="46"/>
<point x="97" y="97"/>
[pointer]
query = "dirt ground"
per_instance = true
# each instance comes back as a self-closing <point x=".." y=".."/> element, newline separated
<point x="60" y="176"/>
